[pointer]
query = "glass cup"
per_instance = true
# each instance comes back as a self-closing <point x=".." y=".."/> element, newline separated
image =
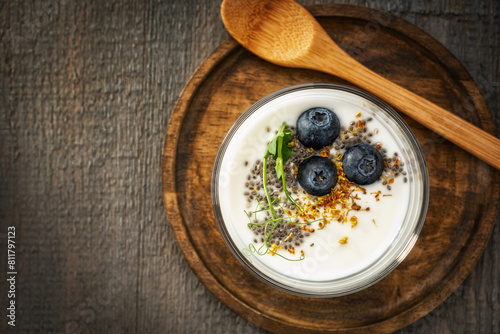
<point x="329" y="269"/>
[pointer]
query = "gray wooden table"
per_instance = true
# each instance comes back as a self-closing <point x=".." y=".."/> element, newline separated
<point x="87" y="89"/>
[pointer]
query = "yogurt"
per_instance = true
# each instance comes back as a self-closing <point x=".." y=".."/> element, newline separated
<point x="337" y="256"/>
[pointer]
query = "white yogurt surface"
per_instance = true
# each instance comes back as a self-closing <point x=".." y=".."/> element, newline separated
<point x="328" y="259"/>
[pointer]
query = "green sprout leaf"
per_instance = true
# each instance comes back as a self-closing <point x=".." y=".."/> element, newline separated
<point x="281" y="152"/>
<point x="278" y="148"/>
<point x="272" y="147"/>
<point x="286" y="150"/>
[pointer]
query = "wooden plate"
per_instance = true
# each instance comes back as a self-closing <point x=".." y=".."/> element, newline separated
<point x="464" y="191"/>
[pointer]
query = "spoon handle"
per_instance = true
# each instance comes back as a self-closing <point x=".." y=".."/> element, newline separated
<point x="448" y="125"/>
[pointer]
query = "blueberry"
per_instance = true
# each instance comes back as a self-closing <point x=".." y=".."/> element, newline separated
<point x="317" y="175"/>
<point x="318" y="127"/>
<point x="363" y="164"/>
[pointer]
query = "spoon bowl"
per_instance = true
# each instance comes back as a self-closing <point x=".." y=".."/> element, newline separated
<point x="286" y="34"/>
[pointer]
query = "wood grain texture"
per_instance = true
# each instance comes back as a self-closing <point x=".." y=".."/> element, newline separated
<point x="452" y="238"/>
<point x="87" y="89"/>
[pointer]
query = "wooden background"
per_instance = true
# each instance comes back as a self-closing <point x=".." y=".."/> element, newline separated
<point x="87" y="89"/>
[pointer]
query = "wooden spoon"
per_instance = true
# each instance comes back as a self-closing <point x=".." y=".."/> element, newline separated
<point x="284" y="33"/>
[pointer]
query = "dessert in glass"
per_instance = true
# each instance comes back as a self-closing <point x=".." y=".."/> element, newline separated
<point x="320" y="189"/>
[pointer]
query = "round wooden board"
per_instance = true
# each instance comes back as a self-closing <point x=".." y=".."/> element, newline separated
<point x="464" y="191"/>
